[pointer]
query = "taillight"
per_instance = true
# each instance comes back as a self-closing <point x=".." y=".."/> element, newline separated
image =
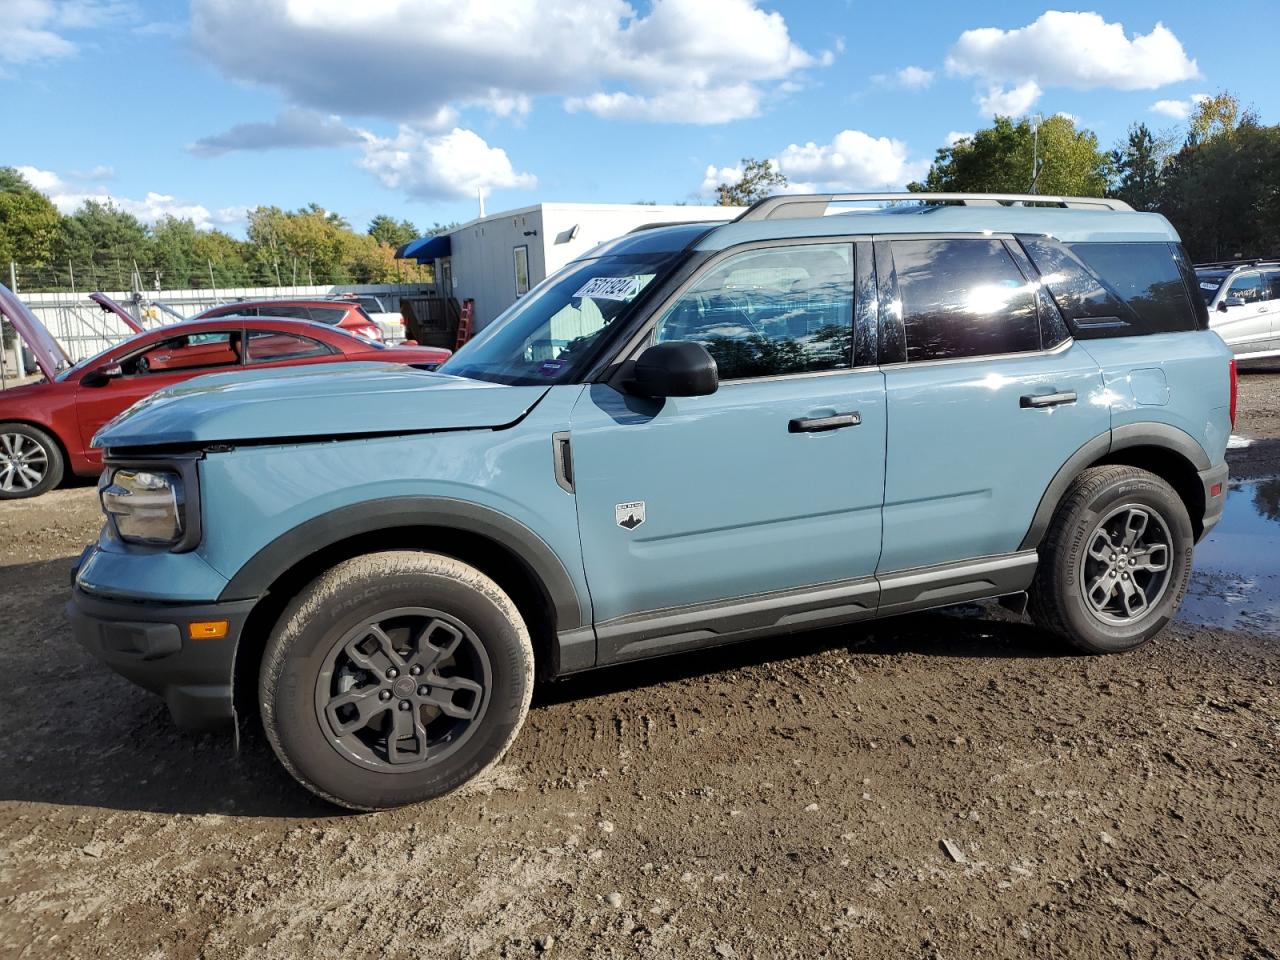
<point x="1234" y="392"/>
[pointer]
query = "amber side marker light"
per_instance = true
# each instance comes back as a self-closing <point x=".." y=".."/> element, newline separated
<point x="207" y="630"/>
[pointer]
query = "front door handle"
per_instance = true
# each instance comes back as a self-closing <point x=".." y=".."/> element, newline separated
<point x="1048" y="399"/>
<point x="821" y="424"/>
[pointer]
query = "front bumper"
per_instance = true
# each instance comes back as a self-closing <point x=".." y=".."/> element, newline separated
<point x="146" y="642"/>
<point x="1214" y="477"/>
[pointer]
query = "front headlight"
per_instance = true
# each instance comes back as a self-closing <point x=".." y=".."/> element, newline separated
<point x="145" y="506"/>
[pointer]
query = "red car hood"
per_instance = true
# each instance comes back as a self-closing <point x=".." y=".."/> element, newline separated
<point x="50" y="357"/>
<point x="106" y="303"/>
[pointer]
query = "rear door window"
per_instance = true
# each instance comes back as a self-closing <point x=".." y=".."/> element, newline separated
<point x="771" y="311"/>
<point x="1271" y="280"/>
<point x="963" y="298"/>
<point x="288" y="311"/>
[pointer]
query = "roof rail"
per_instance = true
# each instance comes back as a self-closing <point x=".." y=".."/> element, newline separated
<point x="798" y="205"/>
<point x="1226" y="264"/>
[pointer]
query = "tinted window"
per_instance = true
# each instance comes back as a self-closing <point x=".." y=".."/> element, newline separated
<point x="963" y="298"/>
<point x="267" y="346"/>
<point x="284" y="310"/>
<point x="331" y="315"/>
<point x="199" y="352"/>
<point x="1117" y="289"/>
<point x="1248" y="287"/>
<point x="770" y="312"/>
<point x="1272" y="281"/>
<point x="1146" y="277"/>
<point x="1208" y="284"/>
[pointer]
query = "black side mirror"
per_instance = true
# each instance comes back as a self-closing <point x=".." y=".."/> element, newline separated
<point x="103" y="375"/>
<point x="1230" y="302"/>
<point x="680" y="368"/>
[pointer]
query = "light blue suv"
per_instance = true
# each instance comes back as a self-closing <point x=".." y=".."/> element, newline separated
<point x="832" y="409"/>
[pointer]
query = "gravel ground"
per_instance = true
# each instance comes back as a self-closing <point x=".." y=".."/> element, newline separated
<point x="944" y="785"/>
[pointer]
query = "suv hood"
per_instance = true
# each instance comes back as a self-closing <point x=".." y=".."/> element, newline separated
<point x="315" y="402"/>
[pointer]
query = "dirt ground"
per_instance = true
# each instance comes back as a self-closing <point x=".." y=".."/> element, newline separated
<point x="950" y="785"/>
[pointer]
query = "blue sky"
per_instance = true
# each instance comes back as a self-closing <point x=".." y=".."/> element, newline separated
<point x="407" y="107"/>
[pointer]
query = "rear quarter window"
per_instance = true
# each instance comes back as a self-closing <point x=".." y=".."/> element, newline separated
<point x="331" y="315"/>
<point x="1119" y="289"/>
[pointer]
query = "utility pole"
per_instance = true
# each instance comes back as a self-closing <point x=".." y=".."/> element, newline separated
<point x="1035" y="151"/>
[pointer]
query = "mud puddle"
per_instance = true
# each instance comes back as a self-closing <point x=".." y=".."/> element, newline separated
<point x="1235" y="582"/>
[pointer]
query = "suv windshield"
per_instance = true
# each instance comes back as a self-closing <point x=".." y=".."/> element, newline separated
<point x="547" y="335"/>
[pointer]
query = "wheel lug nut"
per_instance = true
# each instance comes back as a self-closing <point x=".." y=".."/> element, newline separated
<point x="392" y="673"/>
<point x="415" y="669"/>
<point x="1124" y="576"/>
<point x="423" y="690"/>
<point x="405" y="704"/>
<point x="385" y="695"/>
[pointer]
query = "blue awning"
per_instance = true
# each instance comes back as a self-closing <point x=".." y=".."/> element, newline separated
<point x="425" y="249"/>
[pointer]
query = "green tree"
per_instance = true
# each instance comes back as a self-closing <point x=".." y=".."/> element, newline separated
<point x="305" y="246"/>
<point x="28" y="222"/>
<point x="1136" y="168"/>
<point x="999" y="159"/>
<point x="1222" y="189"/>
<point x="760" y="179"/>
<point x="106" y="242"/>
<point x="394" y="233"/>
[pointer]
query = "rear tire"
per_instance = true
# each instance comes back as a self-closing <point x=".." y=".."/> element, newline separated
<point x="30" y="461"/>
<point x="1115" y="563"/>
<point x="394" y="678"/>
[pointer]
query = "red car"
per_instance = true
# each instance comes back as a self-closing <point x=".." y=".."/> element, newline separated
<point x="46" y="427"/>
<point x="350" y="316"/>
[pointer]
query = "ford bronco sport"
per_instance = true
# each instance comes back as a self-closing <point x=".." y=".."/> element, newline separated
<point x="694" y="434"/>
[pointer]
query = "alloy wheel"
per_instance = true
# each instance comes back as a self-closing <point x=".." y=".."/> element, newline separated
<point x="403" y="690"/>
<point x="23" y="463"/>
<point x="1124" y="571"/>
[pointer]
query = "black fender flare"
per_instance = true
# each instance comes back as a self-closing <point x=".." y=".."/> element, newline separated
<point x="255" y="578"/>
<point x="1160" y="435"/>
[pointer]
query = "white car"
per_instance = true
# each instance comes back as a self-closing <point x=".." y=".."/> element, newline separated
<point x="391" y="323"/>
<point x="1243" y="297"/>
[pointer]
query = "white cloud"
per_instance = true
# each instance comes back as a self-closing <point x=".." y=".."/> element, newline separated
<point x="67" y="196"/>
<point x="455" y="164"/>
<point x="34" y="30"/>
<point x="1079" y="50"/>
<point x="1010" y="102"/>
<point x="852" y="161"/>
<point x="909" y="78"/>
<point x="677" y="60"/>
<point x="1178" y="109"/>
<point x="676" y="106"/>
<point x="955" y="136"/>
<point x="291" y="128"/>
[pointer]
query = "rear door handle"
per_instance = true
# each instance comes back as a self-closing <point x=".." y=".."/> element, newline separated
<point x="820" y="424"/>
<point x="1048" y="399"/>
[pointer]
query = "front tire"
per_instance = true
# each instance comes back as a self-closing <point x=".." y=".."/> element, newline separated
<point x="30" y="461"/>
<point x="394" y="678"/>
<point x="1115" y="563"/>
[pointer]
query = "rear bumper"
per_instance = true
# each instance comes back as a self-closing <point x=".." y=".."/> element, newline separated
<point x="147" y="642"/>
<point x="1213" y="478"/>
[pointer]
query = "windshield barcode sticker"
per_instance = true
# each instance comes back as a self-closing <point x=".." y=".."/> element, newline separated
<point x="610" y="288"/>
